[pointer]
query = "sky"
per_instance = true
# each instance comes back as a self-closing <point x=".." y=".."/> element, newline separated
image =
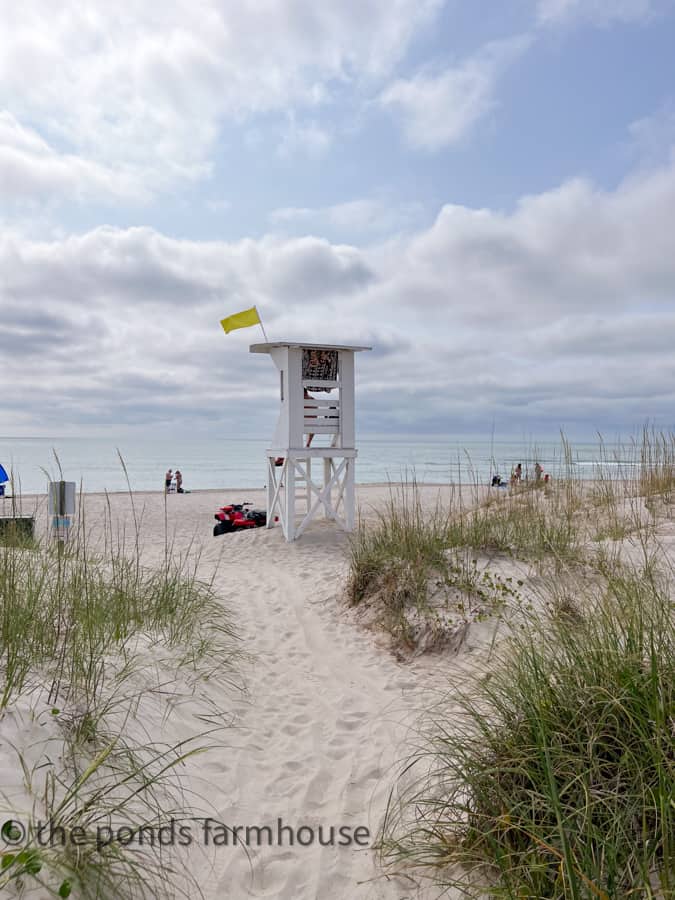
<point x="481" y="190"/>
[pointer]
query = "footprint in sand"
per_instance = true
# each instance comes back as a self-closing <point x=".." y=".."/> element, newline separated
<point x="317" y="789"/>
<point x="291" y="729"/>
<point x="302" y="718"/>
<point x="266" y="877"/>
<point x="351" y="721"/>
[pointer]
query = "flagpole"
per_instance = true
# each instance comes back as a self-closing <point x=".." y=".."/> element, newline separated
<point x="262" y="326"/>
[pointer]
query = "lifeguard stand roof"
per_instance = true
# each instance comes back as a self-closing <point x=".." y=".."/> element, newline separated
<point x="265" y="348"/>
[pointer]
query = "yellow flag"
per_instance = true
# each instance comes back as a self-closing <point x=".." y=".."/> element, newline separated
<point x="241" y="320"/>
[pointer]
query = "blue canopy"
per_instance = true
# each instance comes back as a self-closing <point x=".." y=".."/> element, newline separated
<point x="3" y="475"/>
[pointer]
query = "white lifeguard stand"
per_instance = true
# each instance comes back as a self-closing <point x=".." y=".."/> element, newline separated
<point x="294" y="495"/>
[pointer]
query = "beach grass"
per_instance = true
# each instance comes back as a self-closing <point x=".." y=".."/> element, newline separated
<point x="410" y="546"/>
<point x="394" y="555"/>
<point x="656" y="474"/>
<point x="87" y="635"/>
<point x="62" y="613"/>
<point x="555" y="778"/>
<point x="405" y="532"/>
<point x="552" y="776"/>
<point x="405" y="569"/>
<point x="78" y="843"/>
<point x="531" y="524"/>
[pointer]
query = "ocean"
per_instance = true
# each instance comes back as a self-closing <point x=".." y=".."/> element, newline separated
<point x="237" y="462"/>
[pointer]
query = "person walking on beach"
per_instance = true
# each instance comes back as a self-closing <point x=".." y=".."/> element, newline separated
<point x="179" y="482"/>
<point x="168" y="478"/>
<point x="537" y="472"/>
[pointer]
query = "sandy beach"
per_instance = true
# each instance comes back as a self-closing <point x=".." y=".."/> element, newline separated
<point x="325" y="711"/>
<point x="305" y="737"/>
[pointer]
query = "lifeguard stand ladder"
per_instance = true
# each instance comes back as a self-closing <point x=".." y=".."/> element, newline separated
<point x="295" y="495"/>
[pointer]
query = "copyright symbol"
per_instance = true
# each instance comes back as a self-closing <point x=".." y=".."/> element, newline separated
<point x="12" y="833"/>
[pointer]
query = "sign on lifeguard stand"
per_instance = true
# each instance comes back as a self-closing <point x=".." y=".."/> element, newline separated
<point x="316" y="422"/>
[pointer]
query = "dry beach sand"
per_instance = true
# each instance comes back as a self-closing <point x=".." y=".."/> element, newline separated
<point x="313" y="726"/>
<point x="325" y="714"/>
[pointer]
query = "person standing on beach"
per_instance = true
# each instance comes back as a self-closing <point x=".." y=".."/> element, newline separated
<point x="537" y="472"/>
<point x="179" y="482"/>
<point x="168" y="478"/>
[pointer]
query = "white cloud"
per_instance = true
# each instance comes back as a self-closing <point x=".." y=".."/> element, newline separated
<point x="31" y="171"/>
<point x="560" y="311"/>
<point x="440" y="109"/>
<point x="145" y="87"/>
<point x="599" y="12"/>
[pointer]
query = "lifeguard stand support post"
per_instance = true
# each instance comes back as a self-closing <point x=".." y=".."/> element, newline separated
<point x="295" y="493"/>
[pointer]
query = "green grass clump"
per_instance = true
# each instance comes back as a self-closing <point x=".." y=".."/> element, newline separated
<point x="656" y="472"/>
<point x="405" y="565"/>
<point x="85" y="637"/>
<point x="530" y="524"/>
<point x="405" y="539"/>
<point x="81" y="845"/>
<point x="63" y="613"/>
<point x="410" y="543"/>
<point x="556" y="780"/>
<point x="393" y="560"/>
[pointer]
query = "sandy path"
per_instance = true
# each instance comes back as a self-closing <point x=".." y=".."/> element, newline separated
<point x="318" y="733"/>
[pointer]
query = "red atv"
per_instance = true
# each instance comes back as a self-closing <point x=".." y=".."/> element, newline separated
<point x="238" y="517"/>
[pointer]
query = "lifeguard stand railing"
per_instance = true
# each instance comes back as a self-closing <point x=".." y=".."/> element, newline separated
<point x="316" y="422"/>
